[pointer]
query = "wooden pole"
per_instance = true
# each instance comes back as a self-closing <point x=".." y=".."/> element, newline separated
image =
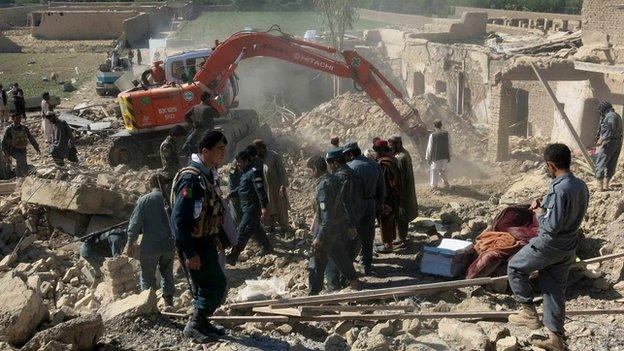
<point x="388" y="292"/>
<point x="392" y="316"/>
<point x="565" y="118"/>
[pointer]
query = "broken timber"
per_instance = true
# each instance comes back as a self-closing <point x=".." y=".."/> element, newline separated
<point x="389" y="292"/>
<point x="565" y="118"/>
<point x="392" y="316"/>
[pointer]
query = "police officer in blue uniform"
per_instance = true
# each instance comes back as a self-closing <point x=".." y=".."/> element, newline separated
<point x="352" y="186"/>
<point x="196" y="222"/>
<point x="330" y="227"/>
<point x="253" y="202"/>
<point x="373" y="193"/>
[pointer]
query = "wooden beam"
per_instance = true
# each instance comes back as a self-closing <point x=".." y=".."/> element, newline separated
<point x="374" y="294"/>
<point x="598" y="68"/>
<point x="291" y="312"/>
<point x="571" y="129"/>
<point x="7" y="187"/>
<point x="308" y="310"/>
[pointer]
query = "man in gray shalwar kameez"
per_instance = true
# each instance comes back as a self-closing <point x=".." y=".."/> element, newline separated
<point x="63" y="140"/>
<point x="610" y="143"/>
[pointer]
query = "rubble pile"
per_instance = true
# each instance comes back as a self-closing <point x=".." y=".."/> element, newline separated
<point x="119" y="277"/>
<point x="354" y="116"/>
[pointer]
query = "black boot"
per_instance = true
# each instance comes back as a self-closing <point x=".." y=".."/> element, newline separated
<point x="232" y="257"/>
<point x="168" y="301"/>
<point x="196" y="329"/>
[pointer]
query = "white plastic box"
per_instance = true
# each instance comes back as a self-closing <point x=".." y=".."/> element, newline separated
<point x="450" y="259"/>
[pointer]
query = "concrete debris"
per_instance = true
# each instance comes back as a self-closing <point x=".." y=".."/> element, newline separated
<point x="82" y="333"/>
<point x="144" y="303"/>
<point x="470" y="336"/>
<point x="335" y="342"/>
<point x="119" y="278"/>
<point x="21" y="309"/>
<point x="509" y="343"/>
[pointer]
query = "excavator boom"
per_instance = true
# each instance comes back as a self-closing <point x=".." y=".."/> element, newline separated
<point x="171" y="102"/>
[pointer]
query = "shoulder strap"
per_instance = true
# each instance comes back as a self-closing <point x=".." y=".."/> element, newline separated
<point x="176" y="178"/>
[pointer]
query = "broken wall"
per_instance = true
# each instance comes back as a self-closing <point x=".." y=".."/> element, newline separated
<point x="472" y="24"/>
<point x="7" y="45"/>
<point x="92" y="25"/>
<point x="460" y="73"/>
<point x="137" y="28"/>
<point x="17" y="16"/>
<point x="580" y="106"/>
<point x="604" y="20"/>
<point x="538" y="106"/>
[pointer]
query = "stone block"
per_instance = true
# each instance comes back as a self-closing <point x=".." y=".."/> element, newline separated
<point x="72" y="223"/>
<point x="82" y="333"/>
<point x="21" y="309"/>
<point x="469" y="336"/>
<point x="62" y="195"/>
<point x="144" y="303"/>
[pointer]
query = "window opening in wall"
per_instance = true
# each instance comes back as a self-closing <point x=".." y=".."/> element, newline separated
<point x="518" y="124"/>
<point x="419" y="84"/>
<point x="440" y="87"/>
<point x="467" y="100"/>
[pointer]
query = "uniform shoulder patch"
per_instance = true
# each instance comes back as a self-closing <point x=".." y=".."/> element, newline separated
<point x="186" y="193"/>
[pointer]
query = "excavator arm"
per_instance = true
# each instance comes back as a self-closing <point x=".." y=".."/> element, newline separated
<point x="146" y="110"/>
<point x="227" y="55"/>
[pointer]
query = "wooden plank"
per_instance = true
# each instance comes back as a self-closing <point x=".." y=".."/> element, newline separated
<point x="233" y="319"/>
<point x="568" y="124"/>
<point x="374" y="294"/>
<point x="292" y="312"/>
<point x="7" y="187"/>
<point x="308" y="310"/>
<point x="598" y="68"/>
<point x="440" y="315"/>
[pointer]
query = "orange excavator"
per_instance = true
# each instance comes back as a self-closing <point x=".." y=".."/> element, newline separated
<point x="148" y="113"/>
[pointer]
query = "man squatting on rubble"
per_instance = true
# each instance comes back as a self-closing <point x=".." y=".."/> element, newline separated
<point x="200" y="118"/>
<point x="14" y="142"/>
<point x="253" y="204"/>
<point x="439" y="155"/>
<point x="196" y="220"/>
<point x="553" y="251"/>
<point x="98" y="247"/>
<point x="373" y="193"/>
<point x="150" y="218"/>
<point x="609" y="139"/>
<point x="331" y="224"/>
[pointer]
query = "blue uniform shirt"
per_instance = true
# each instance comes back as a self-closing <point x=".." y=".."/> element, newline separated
<point x="564" y="207"/>
<point x="352" y="193"/>
<point x="150" y="218"/>
<point x="370" y="172"/>
<point x="331" y="217"/>
<point x="251" y="191"/>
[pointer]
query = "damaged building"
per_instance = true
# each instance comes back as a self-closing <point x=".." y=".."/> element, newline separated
<point x="487" y="75"/>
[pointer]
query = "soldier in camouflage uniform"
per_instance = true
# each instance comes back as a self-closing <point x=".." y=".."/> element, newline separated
<point x="14" y="142"/>
<point x="169" y="156"/>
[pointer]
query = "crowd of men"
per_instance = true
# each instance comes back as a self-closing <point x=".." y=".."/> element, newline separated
<point x="185" y="212"/>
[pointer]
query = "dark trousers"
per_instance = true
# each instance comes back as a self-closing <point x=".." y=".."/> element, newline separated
<point x="402" y="226"/>
<point x="553" y="267"/>
<point x="335" y="249"/>
<point x="250" y="225"/>
<point x="163" y="261"/>
<point x="388" y="225"/>
<point x="21" y="163"/>
<point x="96" y="252"/>
<point x="209" y="282"/>
<point x="366" y="232"/>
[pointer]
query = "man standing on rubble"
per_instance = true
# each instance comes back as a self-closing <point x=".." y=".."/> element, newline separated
<point x="200" y="118"/>
<point x="254" y="202"/>
<point x="196" y="220"/>
<point x="610" y="143"/>
<point x="18" y="100"/>
<point x="408" y="209"/>
<point x="276" y="185"/>
<point x="47" y="128"/>
<point x="351" y="196"/>
<point x="330" y="227"/>
<point x="439" y="155"/>
<point x="553" y="251"/>
<point x="156" y="250"/>
<point x="63" y="140"/>
<point x="14" y="142"/>
<point x="388" y="212"/>
<point x="169" y="156"/>
<point x="373" y="193"/>
<point x="4" y="107"/>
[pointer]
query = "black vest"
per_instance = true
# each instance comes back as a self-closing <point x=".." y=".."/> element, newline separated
<point x="440" y="146"/>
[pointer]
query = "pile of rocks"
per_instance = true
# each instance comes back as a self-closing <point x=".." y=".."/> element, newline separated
<point x="119" y="277"/>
